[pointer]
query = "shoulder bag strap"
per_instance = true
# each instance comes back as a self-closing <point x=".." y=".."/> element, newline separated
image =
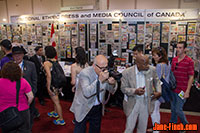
<point x="18" y="84"/>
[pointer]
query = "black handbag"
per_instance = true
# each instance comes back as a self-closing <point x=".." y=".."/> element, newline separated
<point x="10" y="118"/>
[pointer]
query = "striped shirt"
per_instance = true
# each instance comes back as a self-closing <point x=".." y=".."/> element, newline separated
<point x="182" y="70"/>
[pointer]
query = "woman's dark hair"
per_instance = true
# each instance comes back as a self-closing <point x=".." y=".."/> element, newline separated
<point x="50" y="52"/>
<point x="81" y="57"/>
<point x="161" y="53"/>
<point x="11" y="71"/>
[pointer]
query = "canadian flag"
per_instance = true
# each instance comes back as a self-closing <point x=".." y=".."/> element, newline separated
<point x="52" y="43"/>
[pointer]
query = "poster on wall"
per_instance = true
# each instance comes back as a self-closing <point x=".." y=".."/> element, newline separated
<point x="92" y="38"/>
<point x="103" y="49"/>
<point x="124" y="45"/>
<point x="82" y="34"/>
<point x="165" y="37"/>
<point x="174" y="28"/>
<point x="9" y="32"/>
<point x="74" y="29"/>
<point x="149" y="28"/>
<point x="155" y="44"/>
<point x="156" y="35"/>
<point x="109" y="37"/>
<point x="68" y="50"/>
<point x="181" y="38"/>
<point x="93" y="54"/>
<point x="140" y="38"/>
<point x="191" y="28"/>
<point x="93" y="28"/>
<point x="115" y="27"/>
<point x="126" y="56"/>
<point x="165" y="27"/>
<point x="148" y="41"/>
<point x="173" y="37"/>
<point x="182" y="29"/>
<point x="124" y="28"/>
<point x="124" y="37"/>
<point x="190" y="40"/>
<point x="132" y="40"/>
<point x="131" y="28"/>
<point x="103" y="29"/>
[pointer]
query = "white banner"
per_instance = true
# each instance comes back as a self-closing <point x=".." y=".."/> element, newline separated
<point x="133" y="15"/>
<point x="171" y="14"/>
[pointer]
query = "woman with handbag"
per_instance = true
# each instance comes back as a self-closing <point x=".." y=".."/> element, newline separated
<point x="163" y="70"/>
<point x="15" y="98"/>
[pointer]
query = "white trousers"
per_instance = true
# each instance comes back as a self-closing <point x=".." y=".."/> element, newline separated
<point x="140" y="112"/>
<point x="155" y="116"/>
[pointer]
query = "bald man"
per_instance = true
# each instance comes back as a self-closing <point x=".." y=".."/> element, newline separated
<point x="139" y="95"/>
<point x="88" y="99"/>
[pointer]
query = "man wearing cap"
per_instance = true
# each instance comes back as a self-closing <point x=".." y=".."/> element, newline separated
<point x="29" y="73"/>
<point x="38" y="60"/>
<point x="6" y="47"/>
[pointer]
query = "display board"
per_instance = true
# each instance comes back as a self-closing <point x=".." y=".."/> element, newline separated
<point x="106" y="32"/>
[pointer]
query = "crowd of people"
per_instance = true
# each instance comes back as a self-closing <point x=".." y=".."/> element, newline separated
<point x="141" y="85"/>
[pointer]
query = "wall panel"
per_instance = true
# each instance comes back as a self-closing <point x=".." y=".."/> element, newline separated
<point x="3" y="12"/>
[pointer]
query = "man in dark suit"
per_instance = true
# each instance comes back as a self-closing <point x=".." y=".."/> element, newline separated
<point x="29" y="73"/>
<point x="38" y="59"/>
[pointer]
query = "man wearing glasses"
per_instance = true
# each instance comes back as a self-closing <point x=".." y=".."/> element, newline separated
<point x="89" y="96"/>
<point x="183" y="69"/>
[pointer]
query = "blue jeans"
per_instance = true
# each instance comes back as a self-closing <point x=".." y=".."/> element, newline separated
<point x="177" y="108"/>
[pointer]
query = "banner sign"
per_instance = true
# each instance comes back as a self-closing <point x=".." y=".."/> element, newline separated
<point x="134" y="15"/>
<point x="171" y="14"/>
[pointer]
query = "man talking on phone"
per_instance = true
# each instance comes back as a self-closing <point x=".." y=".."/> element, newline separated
<point x="139" y="96"/>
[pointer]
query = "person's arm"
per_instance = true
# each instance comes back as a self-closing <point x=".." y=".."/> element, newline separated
<point x="111" y="85"/>
<point x="156" y="84"/>
<point x="28" y="90"/>
<point x="190" y="81"/>
<point x="30" y="97"/>
<point x="47" y="68"/>
<point x="73" y="74"/>
<point x="190" y="72"/>
<point x="34" y="78"/>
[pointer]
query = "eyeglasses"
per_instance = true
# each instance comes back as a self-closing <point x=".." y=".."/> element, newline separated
<point x="176" y="66"/>
<point x="102" y="68"/>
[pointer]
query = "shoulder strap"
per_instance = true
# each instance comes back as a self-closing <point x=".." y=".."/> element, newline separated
<point x="18" y="84"/>
<point x="50" y="61"/>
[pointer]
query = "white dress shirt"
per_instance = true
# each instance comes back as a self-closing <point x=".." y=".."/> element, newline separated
<point x="140" y="81"/>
